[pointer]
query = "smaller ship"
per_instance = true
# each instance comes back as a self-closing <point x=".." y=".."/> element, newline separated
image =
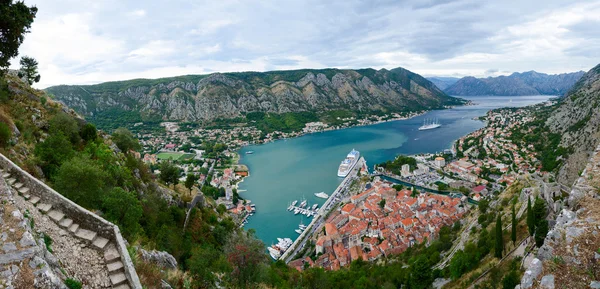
<point x="299" y="231"/>
<point x="322" y="195"/>
<point x="296" y="211"/>
<point x="294" y="203"/>
<point x="428" y="124"/>
<point x="303" y="204"/>
<point x="314" y="207"/>
<point x="249" y="152"/>
<point x="275" y="253"/>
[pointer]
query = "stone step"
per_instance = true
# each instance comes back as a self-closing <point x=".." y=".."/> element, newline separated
<point x="113" y="267"/>
<point x="73" y="228"/>
<point x="56" y="216"/>
<point x="65" y="223"/>
<point x="45" y="208"/>
<point x="100" y="242"/>
<point x="11" y="181"/>
<point x="34" y="200"/>
<point x="117" y="279"/>
<point x="24" y="190"/>
<point x="85" y="235"/>
<point x="123" y="286"/>
<point x="18" y="185"/>
<point x="5" y="175"/>
<point x="27" y="196"/>
<point x="111" y="254"/>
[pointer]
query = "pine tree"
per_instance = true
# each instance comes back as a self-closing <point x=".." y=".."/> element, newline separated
<point x="530" y="219"/>
<point x="541" y="224"/>
<point x="513" y="232"/>
<point x="29" y="69"/>
<point x="16" y="19"/>
<point x="499" y="241"/>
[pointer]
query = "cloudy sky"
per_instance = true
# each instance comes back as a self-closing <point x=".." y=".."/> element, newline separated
<point x="91" y="41"/>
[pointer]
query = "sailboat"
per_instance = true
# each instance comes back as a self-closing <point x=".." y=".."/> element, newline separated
<point x="429" y="125"/>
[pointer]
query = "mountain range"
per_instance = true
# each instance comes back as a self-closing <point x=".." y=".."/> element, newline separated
<point x="229" y="95"/>
<point x="526" y="83"/>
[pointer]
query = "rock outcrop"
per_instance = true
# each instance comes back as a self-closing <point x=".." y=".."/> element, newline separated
<point x="577" y="120"/>
<point x="569" y="257"/>
<point x="526" y="83"/>
<point x="229" y="95"/>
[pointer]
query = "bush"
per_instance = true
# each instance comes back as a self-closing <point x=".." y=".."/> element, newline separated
<point x="72" y="283"/>
<point x="5" y="134"/>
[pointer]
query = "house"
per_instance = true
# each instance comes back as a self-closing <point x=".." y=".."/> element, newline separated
<point x="170" y="146"/>
<point x="481" y="189"/>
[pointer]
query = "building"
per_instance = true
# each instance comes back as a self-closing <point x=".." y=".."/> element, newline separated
<point x="405" y="168"/>
<point x="439" y="162"/>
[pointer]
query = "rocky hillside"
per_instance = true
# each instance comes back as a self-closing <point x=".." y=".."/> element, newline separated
<point x="228" y="95"/>
<point x="577" y="120"/>
<point x="526" y="83"/>
<point x="443" y="82"/>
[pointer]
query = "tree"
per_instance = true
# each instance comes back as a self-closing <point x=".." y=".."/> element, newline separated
<point x="382" y="203"/>
<point x="65" y="124"/>
<point x="246" y="256"/>
<point x="52" y="152"/>
<point x="125" y="140"/>
<point x="541" y="224"/>
<point x="16" y="19"/>
<point x="5" y="134"/>
<point x="421" y="273"/>
<point x="29" y="69"/>
<point x="82" y="181"/>
<point x="511" y="280"/>
<point x="483" y="205"/>
<point x="190" y="181"/>
<point x="124" y="209"/>
<point x="513" y="231"/>
<point x="530" y="218"/>
<point x="499" y="248"/>
<point x="88" y="132"/>
<point x="169" y="173"/>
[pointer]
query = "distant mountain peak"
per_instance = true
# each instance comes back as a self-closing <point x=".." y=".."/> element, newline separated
<point x="524" y="83"/>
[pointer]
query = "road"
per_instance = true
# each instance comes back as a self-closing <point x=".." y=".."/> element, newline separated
<point x="464" y="237"/>
<point x="318" y="220"/>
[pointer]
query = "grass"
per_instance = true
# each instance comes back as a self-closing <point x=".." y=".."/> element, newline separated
<point x="174" y="156"/>
<point x="72" y="283"/>
<point x="48" y="242"/>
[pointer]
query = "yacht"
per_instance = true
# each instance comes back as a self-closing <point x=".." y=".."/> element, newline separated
<point x="294" y="202"/>
<point x="303" y="204"/>
<point x="275" y="253"/>
<point x="322" y="195"/>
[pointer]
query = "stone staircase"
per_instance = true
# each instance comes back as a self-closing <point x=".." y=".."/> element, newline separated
<point x="112" y="257"/>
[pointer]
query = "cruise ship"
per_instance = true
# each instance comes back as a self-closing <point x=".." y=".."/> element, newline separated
<point x="322" y="195"/>
<point x="348" y="163"/>
<point x="429" y="125"/>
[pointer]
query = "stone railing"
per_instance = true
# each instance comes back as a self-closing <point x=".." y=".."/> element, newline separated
<point x="78" y="214"/>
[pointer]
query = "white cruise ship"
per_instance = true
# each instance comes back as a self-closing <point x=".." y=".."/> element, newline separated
<point x="348" y="163"/>
<point x="429" y="125"/>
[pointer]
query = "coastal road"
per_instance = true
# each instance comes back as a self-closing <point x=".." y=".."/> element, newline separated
<point x="318" y="220"/>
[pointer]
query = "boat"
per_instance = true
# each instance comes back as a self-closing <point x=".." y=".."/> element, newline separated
<point x="249" y="152"/>
<point x="296" y="211"/>
<point x="298" y="231"/>
<point x="275" y="253"/>
<point x="294" y="202"/>
<point x="314" y="207"/>
<point x="303" y="204"/>
<point x="322" y="195"/>
<point x="348" y="163"/>
<point x="429" y="125"/>
<point x="303" y="227"/>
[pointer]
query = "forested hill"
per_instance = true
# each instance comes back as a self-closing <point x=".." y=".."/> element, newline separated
<point x="229" y="95"/>
<point x="526" y="83"/>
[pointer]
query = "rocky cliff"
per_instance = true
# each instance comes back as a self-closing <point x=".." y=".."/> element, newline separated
<point x="228" y="95"/>
<point x="526" y="83"/>
<point x="577" y="120"/>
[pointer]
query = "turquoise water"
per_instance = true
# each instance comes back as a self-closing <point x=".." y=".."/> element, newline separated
<point x="292" y="169"/>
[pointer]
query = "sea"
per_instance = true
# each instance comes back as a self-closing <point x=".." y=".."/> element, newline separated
<point x="297" y="168"/>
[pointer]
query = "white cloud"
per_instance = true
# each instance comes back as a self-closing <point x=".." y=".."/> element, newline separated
<point x="90" y="41"/>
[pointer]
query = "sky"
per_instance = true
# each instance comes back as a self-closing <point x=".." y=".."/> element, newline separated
<point x="86" y="42"/>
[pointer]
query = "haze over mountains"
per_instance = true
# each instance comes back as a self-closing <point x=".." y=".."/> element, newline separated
<point x="228" y="95"/>
<point x="526" y="83"/>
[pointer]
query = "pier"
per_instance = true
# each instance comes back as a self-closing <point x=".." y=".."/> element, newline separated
<point x="319" y="218"/>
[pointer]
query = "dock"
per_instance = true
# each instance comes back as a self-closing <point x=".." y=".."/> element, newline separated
<point x="319" y="218"/>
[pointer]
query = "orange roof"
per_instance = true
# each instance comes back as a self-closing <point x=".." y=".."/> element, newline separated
<point x="330" y="229"/>
<point x="355" y="253"/>
<point x="348" y="208"/>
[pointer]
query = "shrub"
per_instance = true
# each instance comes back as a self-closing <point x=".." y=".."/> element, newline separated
<point x="72" y="283"/>
<point x="5" y="134"/>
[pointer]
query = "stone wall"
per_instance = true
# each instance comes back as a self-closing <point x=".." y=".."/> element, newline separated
<point x="80" y="215"/>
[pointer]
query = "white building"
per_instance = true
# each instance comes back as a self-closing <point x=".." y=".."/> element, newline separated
<point x="439" y="162"/>
<point x="405" y="168"/>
